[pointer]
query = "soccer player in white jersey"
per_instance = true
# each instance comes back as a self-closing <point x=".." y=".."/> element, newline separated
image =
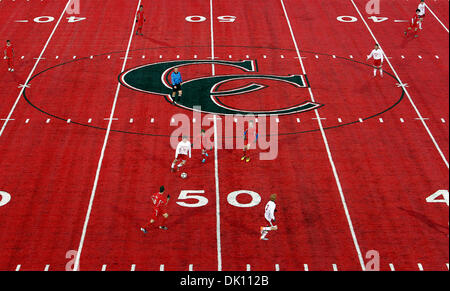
<point x="378" y="58"/>
<point x="269" y="215"/>
<point x="421" y="7"/>
<point x="181" y="154"/>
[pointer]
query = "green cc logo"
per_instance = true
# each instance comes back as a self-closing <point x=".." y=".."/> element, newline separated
<point x="202" y="92"/>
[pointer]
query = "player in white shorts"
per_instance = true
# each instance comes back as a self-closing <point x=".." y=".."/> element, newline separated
<point x="181" y="154"/>
<point x="378" y="58"/>
<point x="421" y="7"/>
<point x="269" y="215"/>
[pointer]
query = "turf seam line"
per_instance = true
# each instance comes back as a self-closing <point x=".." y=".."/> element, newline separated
<point x="327" y="147"/>
<point x="34" y="67"/>
<point x="404" y="89"/>
<point x="102" y="154"/>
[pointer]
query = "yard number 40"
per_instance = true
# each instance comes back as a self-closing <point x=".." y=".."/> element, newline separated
<point x="434" y="198"/>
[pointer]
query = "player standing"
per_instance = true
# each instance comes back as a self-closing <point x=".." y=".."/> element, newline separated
<point x="378" y="58"/>
<point x="9" y="55"/>
<point x="181" y="154"/>
<point x="269" y="215"/>
<point x="159" y="207"/>
<point x="250" y="135"/>
<point x="421" y="8"/>
<point x="414" y="25"/>
<point x="176" y="84"/>
<point x="140" y="19"/>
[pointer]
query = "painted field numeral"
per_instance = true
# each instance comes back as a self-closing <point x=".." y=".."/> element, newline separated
<point x="199" y="18"/>
<point x="434" y="198"/>
<point x="4" y="198"/>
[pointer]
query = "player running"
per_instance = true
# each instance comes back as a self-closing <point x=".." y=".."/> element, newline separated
<point x="250" y="135"/>
<point x="159" y="207"/>
<point x="140" y="19"/>
<point x="378" y="58"/>
<point x="269" y="215"/>
<point x="414" y="25"/>
<point x="181" y="154"/>
<point x="9" y="55"/>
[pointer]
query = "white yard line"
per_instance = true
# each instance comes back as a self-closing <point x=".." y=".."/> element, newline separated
<point x="33" y="69"/>
<point x="105" y="142"/>
<point x="330" y="158"/>
<point x="404" y="88"/>
<point x="437" y="18"/>
<point x="216" y="158"/>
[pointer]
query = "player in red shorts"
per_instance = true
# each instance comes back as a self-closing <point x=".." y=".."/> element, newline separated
<point x="159" y="208"/>
<point x="9" y="55"/>
<point x="140" y="19"/>
<point x="378" y="57"/>
<point x="414" y="25"/>
<point x="250" y="135"/>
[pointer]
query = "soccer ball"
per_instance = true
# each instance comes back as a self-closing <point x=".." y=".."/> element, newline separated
<point x="184" y="175"/>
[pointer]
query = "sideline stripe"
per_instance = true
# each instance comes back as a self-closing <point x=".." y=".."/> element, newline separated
<point x="216" y="158"/>
<point x="34" y="68"/>
<point x="336" y="176"/>
<point x="436" y="17"/>
<point x="102" y="154"/>
<point x="404" y="88"/>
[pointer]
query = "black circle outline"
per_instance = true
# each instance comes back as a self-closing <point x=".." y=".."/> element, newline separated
<point x="165" y="135"/>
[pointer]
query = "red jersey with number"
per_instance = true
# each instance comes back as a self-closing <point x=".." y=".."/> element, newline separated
<point x="159" y="201"/>
<point x="140" y="16"/>
<point x="9" y="51"/>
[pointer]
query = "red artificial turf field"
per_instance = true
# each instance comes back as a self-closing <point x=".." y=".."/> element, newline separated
<point x="81" y="152"/>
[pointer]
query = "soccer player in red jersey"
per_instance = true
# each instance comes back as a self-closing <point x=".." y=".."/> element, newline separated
<point x="140" y="19"/>
<point x="9" y="55"/>
<point x="250" y="135"/>
<point x="159" y="208"/>
<point x="414" y="25"/>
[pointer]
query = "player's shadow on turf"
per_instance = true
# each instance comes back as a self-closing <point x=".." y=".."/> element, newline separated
<point x="161" y="43"/>
<point x="421" y="217"/>
<point x="406" y="40"/>
<point x="137" y="221"/>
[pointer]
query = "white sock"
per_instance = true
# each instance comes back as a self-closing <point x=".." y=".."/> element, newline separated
<point x="173" y="165"/>
<point x="375" y="72"/>
<point x="180" y="165"/>
<point x="381" y="72"/>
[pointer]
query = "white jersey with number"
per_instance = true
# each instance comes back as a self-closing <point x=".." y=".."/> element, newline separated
<point x="183" y="148"/>
<point x="376" y="54"/>
<point x="422" y="9"/>
<point x="270" y="211"/>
